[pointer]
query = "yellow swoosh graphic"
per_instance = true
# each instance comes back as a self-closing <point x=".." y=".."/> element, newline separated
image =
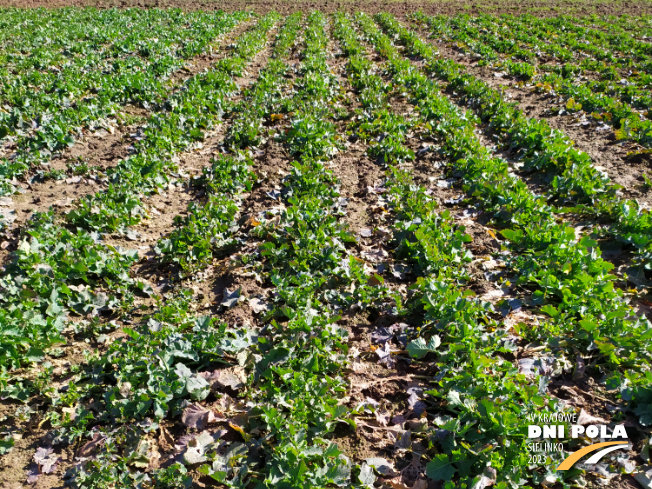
<point x="575" y="456"/>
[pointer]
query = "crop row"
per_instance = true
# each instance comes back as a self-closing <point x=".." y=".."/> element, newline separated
<point x="209" y="229"/>
<point x="565" y="277"/>
<point x="493" y="40"/>
<point x="638" y="27"/>
<point x="577" y="185"/>
<point x="522" y="37"/>
<point x="55" y="106"/>
<point x="186" y="343"/>
<point x="538" y="225"/>
<point x="57" y="271"/>
<point x="294" y="355"/>
<point x="470" y="345"/>
<point x="609" y="99"/>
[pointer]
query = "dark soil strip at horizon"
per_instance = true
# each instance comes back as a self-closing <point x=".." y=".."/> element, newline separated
<point x="547" y="8"/>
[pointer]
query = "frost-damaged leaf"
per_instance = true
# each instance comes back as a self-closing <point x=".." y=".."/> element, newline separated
<point x="181" y="443"/>
<point x="196" y="448"/>
<point x="133" y="235"/>
<point x="154" y="457"/>
<point x="231" y="378"/>
<point x="90" y="447"/>
<point x="227" y="404"/>
<point x="414" y="403"/>
<point x="141" y="456"/>
<point x="32" y="474"/>
<point x="197" y="388"/>
<point x="487" y="479"/>
<point x="374" y="255"/>
<point x="628" y="466"/>
<point x="42" y="454"/>
<point x="418" y="348"/>
<point x="239" y="339"/>
<point x="194" y="456"/>
<point x="230" y="297"/>
<point x="257" y="305"/>
<point x="385" y="356"/>
<point x="403" y="439"/>
<point x="223" y="464"/>
<point x="440" y="468"/>
<point x="197" y="416"/>
<point x="585" y="418"/>
<point x="533" y="367"/>
<point x="382" y="466"/>
<point x="46" y="460"/>
<point x="382" y="334"/>
<point x="400" y="271"/>
<point x="367" y="477"/>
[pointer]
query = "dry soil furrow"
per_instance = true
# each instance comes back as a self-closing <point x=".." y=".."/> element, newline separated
<point x="357" y="173"/>
<point x="100" y="151"/>
<point x="385" y="386"/>
<point x="271" y="163"/>
<point x="213" y="284"/>
<point x="216" y="51"/>
<point x="391" y="384"/>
